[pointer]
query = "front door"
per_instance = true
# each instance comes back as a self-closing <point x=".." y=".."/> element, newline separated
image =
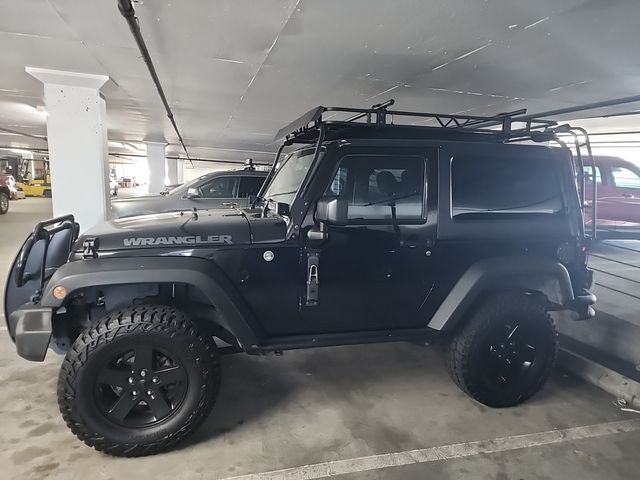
<point x="375" y="273"/>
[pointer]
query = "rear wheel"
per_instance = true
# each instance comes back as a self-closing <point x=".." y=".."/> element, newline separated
<point x="505" y="352"/>
<point x="139" y="381"/>
<point x="4" y="203"/>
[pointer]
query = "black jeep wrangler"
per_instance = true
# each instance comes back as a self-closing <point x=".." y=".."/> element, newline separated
<point x="444" y="227"/>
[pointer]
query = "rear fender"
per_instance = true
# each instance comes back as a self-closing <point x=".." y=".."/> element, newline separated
<point x="535" y="275"/>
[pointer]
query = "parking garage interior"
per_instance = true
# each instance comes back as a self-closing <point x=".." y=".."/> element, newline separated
<point x="88" y="121"/>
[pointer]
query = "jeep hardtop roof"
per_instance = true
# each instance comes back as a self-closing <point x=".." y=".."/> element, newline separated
<point x="378" y="123"/>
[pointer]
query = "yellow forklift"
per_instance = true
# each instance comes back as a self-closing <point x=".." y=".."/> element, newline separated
<point x="36" y="183"/>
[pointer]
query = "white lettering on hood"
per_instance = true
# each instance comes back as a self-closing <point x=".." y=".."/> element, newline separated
<point x="185" y="240"/>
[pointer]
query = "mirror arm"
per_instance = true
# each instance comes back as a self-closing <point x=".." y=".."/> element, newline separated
<point x="319" y="233"/>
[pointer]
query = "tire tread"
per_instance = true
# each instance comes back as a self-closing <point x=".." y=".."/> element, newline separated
<point x="458" y="351"/>
<point x="148" y="318"/>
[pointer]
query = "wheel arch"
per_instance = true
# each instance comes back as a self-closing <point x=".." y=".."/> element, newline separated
<point x="528" y="275"/>
<point x="122" y="274"/>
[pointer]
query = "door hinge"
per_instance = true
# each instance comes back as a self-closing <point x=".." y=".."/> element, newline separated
<point x="313" y="259"/>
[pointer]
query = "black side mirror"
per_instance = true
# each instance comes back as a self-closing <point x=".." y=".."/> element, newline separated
<point x="332" y="210"/>
<point x="329" y="211"/>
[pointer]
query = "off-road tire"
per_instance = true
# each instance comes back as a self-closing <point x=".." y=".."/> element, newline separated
<point x="4" y="203"/>
<point x="465" y="356"/>
<point x="146" y="323"/>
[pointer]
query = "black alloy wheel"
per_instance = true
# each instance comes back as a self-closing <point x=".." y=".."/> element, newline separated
<point x="504" y="353"/>
<point x="140" y="387"/>
<point x="510" y="353"/>
<point x="139" y="381"/>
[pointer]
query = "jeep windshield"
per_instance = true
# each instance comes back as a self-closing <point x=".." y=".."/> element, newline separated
<point x="288" y="176"/>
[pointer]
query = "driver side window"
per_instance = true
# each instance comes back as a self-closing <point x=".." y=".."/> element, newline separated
<point x="625" y="178"/>
<point x="221" y="187"/>
<point x="381" y="187"/>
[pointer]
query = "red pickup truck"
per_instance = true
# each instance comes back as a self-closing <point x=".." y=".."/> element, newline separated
<point x="618" y="184"/>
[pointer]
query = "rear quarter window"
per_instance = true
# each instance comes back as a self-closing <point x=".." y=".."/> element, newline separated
<point x="502" y="185"/>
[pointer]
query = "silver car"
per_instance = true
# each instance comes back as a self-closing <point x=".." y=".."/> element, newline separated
<point x="214" y="190"/>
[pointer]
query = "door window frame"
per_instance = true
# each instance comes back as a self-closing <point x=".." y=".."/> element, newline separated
<point x="614" y="180"/>
<point x="400" y="153"/>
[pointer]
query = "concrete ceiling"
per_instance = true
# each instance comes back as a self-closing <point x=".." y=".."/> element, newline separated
<point x="235" y="71"/>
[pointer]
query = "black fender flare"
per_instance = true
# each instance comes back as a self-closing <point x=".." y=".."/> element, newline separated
<point x="527" y="274"/>
<point x="234" y="314"/>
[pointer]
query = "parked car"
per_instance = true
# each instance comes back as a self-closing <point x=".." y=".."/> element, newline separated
<point x="618" y="187"/>
<point x="168" y="188"/>
<point x="213" y="190"/>
<point x="10" y="182"/>
<point x="5" y="192"/>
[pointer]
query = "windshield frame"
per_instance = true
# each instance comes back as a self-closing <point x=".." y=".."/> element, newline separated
<point x="263" y="198"/>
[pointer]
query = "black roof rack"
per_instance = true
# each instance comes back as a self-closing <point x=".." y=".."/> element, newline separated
<point x="537" y="127"/>
<point x="306" y="128"/>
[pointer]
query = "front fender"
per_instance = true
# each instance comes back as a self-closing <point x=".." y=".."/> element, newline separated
<point x="535" y="274"/>
<point x="235" y="316"/>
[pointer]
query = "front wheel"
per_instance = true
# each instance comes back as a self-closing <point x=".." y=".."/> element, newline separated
<point x="505" y="352"/>
<point x="4" y="203"/>
<point x="139" y="381"/>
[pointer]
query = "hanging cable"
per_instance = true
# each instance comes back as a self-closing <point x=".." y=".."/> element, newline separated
<point x="128" y="12"/>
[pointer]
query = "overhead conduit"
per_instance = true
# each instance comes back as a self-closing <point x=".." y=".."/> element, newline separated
<point x="129" y="14"/>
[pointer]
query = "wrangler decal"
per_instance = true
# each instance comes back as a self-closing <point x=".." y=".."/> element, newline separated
<point x="185" y="240"/>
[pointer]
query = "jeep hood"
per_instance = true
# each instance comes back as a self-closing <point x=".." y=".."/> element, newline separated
<point x="170" y="230"/>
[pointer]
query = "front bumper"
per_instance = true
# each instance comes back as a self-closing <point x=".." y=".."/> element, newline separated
<point x="30" y="327"/>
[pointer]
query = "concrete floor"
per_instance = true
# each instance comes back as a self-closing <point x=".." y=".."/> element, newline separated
<point x="324" y="405"/>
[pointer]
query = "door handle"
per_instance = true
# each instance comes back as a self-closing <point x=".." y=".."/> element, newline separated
<point x="416" y="243"/>
<point x="229" y="204"/>
<point x="627" y="195"/>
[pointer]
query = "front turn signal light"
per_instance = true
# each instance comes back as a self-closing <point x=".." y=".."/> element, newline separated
<point x="59" y="292"/>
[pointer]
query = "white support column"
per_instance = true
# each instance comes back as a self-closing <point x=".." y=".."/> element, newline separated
<point x="77" y="138"/>
<point x="180" y="171"/>
<point x="157" y="166"/>
<point x="172" y="170"/>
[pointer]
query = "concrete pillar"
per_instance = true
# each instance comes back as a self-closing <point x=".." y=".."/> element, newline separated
<point x="180" y="171"/>
<point x="77" y="138"/>
<point x="157" y="166"/>
<point x="172" y="170"/>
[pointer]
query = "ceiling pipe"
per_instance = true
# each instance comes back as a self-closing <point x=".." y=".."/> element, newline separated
<point x="129" y="14"/>
<point x="23" y="134"/>
<point x="197" y="159"/>
<point x="580" y="108"/>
